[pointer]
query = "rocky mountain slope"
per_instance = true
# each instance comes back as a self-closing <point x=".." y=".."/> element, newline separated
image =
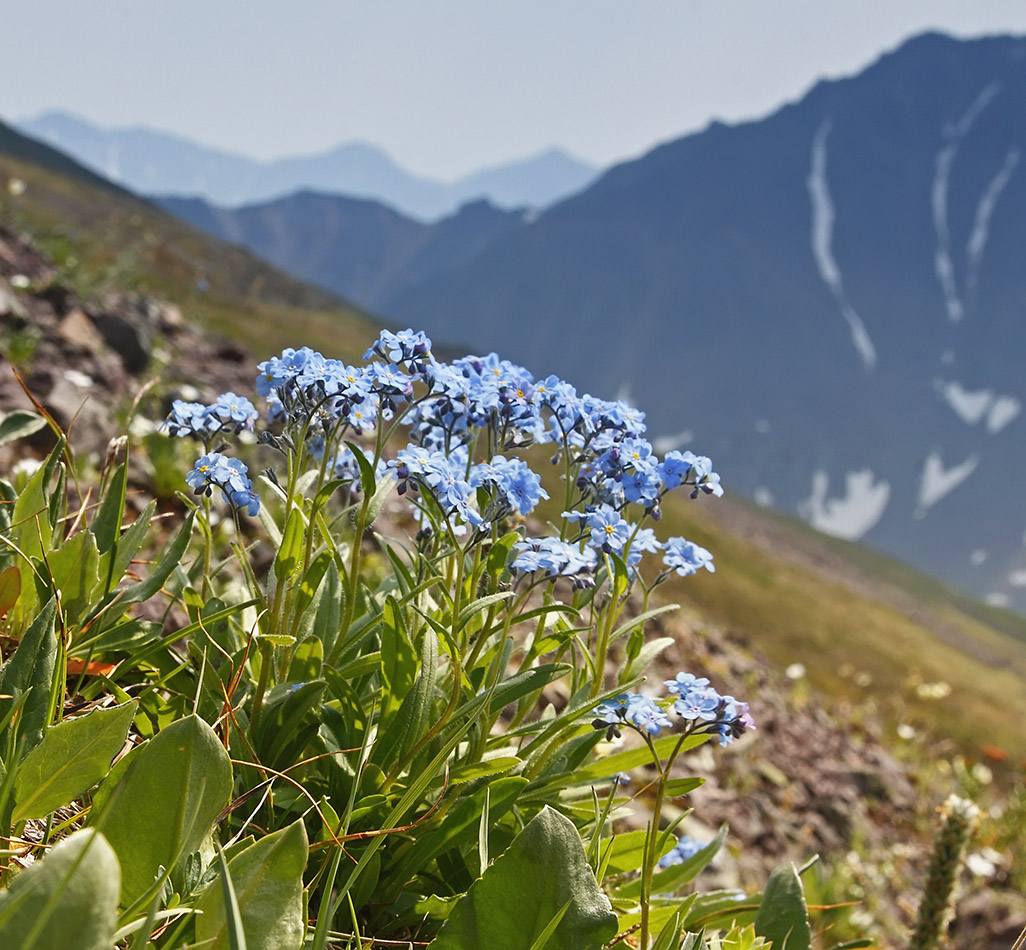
<point x="155" y="163"/>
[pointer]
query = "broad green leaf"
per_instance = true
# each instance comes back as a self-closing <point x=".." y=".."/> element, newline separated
<point x="783" y="916"/>
<point x="311" y="581"/>
<point x="307" y="661"/>
<point x="382" y="493"/>
<point x="31" y="668"/>
<point x="69" y="899"/>
<point x="327" y="607"/>
<point x="74" y="567"/>
<point x="414" y="715"/>
<point x="10" y="588"/>
<point x="31" y="519"/>
<point x="73" y="756"/>
<point x="646" y="656"/>
<point x="398" y="657"/>
<point x="510" y="906"/>
<point x="106" y="526"/>
<point x="19" y="424"/>
<point x="268" y="882"/>
<point x="290" y="720"/>
<point x="286" y="561"/>
<point x="160" y="805"/>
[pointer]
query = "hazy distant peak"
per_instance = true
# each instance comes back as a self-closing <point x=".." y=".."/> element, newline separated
<point x="151" y="162"/>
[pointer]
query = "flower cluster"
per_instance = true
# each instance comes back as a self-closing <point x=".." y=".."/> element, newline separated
<point x="702" y="708"/>
<point x="229" y="413"/>
<point x="474" y="403"/>
<point x="214" y="470"/>
<point x="685" y="848"/>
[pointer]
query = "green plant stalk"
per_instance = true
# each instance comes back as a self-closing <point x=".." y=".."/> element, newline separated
<point x="266" y="659"/>
<point x="652" y="842"/>
<point x="956" y="826"/>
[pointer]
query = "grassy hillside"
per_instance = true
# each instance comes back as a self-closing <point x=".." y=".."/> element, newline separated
<point x="867" y="629"/>
<point x="100" y="235"/>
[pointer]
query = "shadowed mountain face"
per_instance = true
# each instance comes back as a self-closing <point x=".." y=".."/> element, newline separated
<point x="830" y="302"/>
<point x="359" y="249"/>
<point x="155" y="163"/>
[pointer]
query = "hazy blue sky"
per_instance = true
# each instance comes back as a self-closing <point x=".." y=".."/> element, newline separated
<point x="447" y="87"/>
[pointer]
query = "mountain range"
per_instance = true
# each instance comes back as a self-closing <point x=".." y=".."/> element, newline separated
<point x="155" y="163"/>
<point x="829" y="301"/>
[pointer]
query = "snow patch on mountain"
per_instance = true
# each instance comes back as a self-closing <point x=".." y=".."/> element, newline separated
<point x="851" y="516"/>
<point x="969" y="405"/>
<point x="943" y="264"/>
<point x="974" y="405"/>
<point x="984" y="212"/>
<point x="1003" y="411"/>
<point x="822" y="239"/>
<point x="936" y="481"/>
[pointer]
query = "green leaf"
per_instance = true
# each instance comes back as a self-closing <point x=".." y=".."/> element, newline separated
<point x="161" y="803"/>
<point x="31" y="522"/>
<point x="512" y="904"/>
<point x="366" y="469"/>
<point x="129" y="543"/>
<point x="603" y="769"/>
<point x="484" y="769"/>
<point x="480" y="604"/>
<point x="10" y="588"/>
<point x="73" y="756"/>
<point x="398" y="657"/>
<point x="233" y="916"/>
<point x="69" y="899"/>
<point x="268" y="882"/>
<point x="286" y="561"/>
<point x="75" y="570"/>
<point x="668" y="880"/>
<point x="783" y="916"/>
<point x="31" y="668"/>
<point x="676" y="787"/>
<point x="307" y="661"/>
<point x="106" y="525"/>
<point x="414" y="715"/>
<point x="19" y="424"/>
<point x="151" y="585"/>
<point x="311" y="581"/>
<point x="460" y="823"/>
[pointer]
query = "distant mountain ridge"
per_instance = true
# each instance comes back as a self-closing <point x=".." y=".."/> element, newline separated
<point x="830" y="302"/>
<point x="155" y="163"/>
<point x="362" y="250"/>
